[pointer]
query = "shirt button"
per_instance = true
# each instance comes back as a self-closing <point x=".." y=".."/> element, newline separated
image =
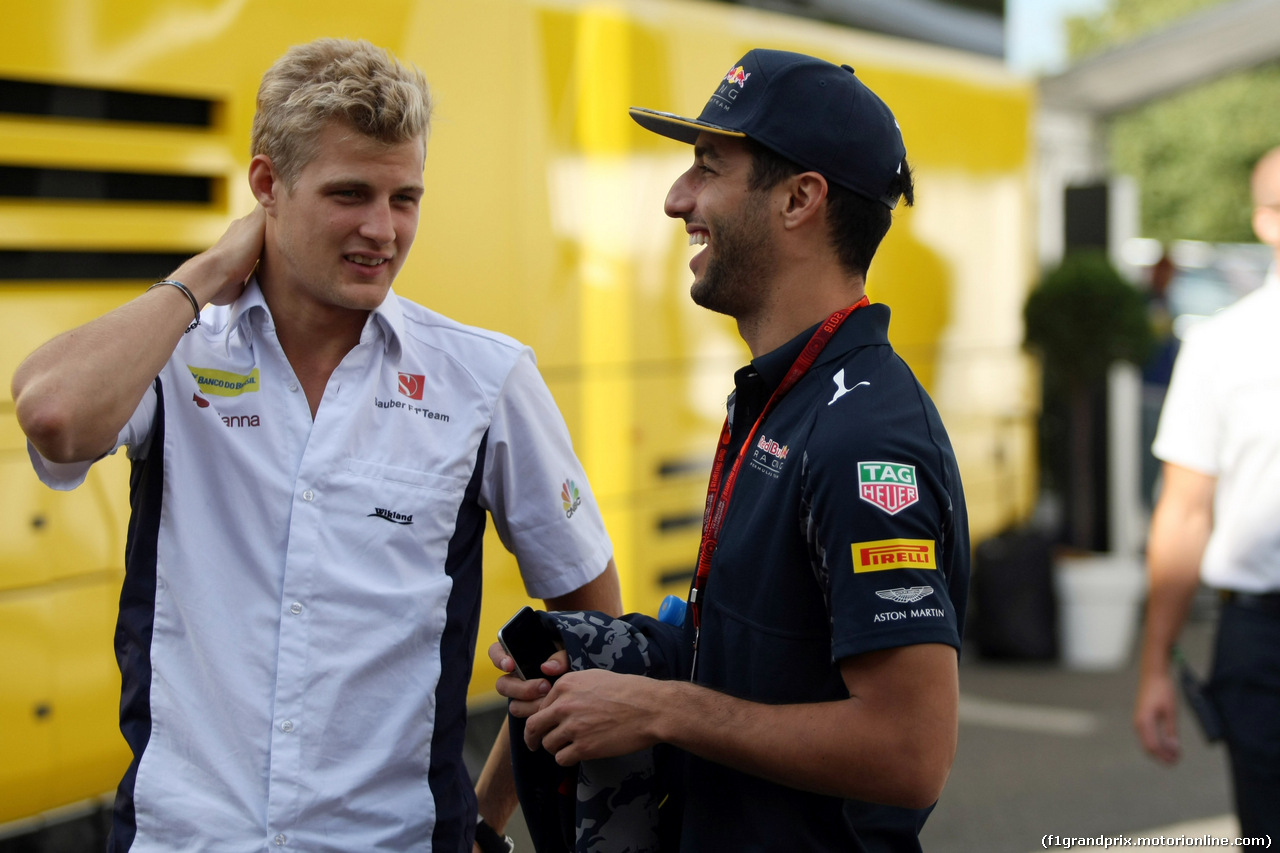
<point x="308" y="495"/>
<point x="295" y="608"/>
<point x="280" y="840"/>
<point x="286" y="726"/>
<point x="293" y="386"/>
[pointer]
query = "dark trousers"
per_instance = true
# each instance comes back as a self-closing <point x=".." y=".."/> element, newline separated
<point x="1246" y="688"/>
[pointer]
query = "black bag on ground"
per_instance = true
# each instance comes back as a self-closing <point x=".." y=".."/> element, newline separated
<point x="1015" y="610"/>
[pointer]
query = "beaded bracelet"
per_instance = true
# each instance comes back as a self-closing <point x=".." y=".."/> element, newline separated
<point x="191" y="297"/>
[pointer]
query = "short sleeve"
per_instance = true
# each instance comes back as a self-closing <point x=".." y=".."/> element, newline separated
<point x="884" y="498"/>
<point x="535" y="488"/>
<point x="1189" y="430"/>
<point x="65" y="476"/>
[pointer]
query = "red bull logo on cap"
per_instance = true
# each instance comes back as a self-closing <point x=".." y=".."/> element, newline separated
<point x="737" y="75"/>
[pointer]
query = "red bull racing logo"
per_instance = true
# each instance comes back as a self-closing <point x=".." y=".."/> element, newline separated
<point x="888" y="485"/>
<point x="737" y="75"/>
<point x="772" y="447"/>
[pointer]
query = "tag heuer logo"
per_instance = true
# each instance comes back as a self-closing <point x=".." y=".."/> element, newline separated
<point x="888" y="485"/>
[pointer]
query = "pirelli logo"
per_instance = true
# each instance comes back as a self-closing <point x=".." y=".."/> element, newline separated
<point x="893" y="554"/>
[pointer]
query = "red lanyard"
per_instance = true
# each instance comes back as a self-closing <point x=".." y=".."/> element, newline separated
<point x="717" y="498"/>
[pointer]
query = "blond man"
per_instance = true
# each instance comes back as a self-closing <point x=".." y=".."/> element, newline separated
<point x="313" y="461"/>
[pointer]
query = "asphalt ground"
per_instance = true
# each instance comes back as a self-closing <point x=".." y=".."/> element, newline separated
<point x="1049" y="751"/>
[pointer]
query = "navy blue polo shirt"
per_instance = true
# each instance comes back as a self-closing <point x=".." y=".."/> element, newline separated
<point x="846" y="533"/>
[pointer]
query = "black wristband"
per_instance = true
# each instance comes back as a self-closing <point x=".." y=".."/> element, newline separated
<point x="489" y="841"/>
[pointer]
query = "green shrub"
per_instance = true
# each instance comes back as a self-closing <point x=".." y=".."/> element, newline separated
<point x="1082" y="317"/>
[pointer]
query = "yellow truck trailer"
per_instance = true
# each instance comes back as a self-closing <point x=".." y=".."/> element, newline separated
<point x="124" y="128"/>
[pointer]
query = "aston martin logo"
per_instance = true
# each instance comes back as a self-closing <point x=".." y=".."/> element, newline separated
<point x="905" y="595"/>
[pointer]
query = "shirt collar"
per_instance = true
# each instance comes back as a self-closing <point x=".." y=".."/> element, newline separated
<point x="387" y="320"/>
<point x="867" y="325"/>
<point x="773" y="366"/>
<point x="250" y="303"/>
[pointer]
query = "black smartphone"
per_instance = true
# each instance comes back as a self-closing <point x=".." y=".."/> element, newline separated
<point x="1206" y="713"/>
<point x="527" y="642"/>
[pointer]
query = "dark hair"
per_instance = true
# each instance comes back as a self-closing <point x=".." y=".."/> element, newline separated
<point x="857" y="223"/>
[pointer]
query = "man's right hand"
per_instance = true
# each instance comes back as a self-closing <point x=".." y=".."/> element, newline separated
<point x="1155" y="716"/>
<point x="229" y="263"/>
<point x="1180" y="528"/>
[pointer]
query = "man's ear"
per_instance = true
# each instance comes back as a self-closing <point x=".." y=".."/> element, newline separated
<point x="264" y="181"/>
<point x="806" y="193"/>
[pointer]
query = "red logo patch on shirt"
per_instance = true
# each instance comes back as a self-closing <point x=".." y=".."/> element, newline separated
<point x="411" y="385"/>
<point x="888" y="485"/>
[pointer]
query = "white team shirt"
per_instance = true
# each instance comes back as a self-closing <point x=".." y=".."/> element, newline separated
<point x="316" y="584"/>
<point x="1222" y="418"/>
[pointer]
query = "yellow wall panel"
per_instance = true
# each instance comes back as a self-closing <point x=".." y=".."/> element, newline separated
<point x="543" y="220"/>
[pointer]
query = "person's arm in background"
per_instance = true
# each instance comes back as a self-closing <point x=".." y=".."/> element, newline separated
<point x="495" y="789"/>
<point x="75" y="393"/>
<point x="1180" y="528"/>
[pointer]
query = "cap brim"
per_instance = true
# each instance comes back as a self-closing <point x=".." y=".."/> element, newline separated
<point x="677" y="127"/>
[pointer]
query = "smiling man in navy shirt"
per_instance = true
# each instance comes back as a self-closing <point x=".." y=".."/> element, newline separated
<point x="818" y="709"/>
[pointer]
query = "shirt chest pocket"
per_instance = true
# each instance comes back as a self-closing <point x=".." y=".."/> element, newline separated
<point x="380" y="472"/>
<point x="395" y="515"/>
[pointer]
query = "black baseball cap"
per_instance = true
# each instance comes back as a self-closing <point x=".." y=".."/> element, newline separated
<point x="810" y="111"/>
